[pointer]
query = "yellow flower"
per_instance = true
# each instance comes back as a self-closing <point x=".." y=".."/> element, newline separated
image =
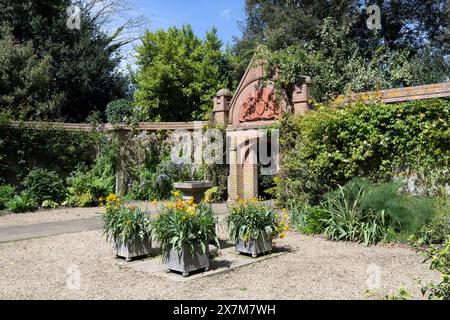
<point x="176" y="194"/>
<point x="154" y="202"/>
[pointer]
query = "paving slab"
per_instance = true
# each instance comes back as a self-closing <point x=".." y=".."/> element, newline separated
<point x="31" y="231"/>
<point x="223" y="261"/>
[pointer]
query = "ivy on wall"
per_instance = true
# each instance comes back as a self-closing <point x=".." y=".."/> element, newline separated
<point x="22" y="149"/>
<point x="330" y="146"/>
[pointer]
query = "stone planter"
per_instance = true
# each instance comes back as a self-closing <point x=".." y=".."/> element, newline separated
<point x="254" y="247"/>
<point x="193" y="189"/>
<point x="132" y="248"/>
<point x="186" y="262"/>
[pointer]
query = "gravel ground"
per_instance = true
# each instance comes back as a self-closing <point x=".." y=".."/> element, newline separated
<point x="41" y="216"/>
<point x="313" y="269"/>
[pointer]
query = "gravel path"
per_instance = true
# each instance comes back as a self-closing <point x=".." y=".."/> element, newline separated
<point x="66" y="214"/>
<point x="314" y="269"/>
<point x="42" y="216"/>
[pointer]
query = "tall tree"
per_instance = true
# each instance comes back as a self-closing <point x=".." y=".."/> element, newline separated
<point x="179" y="74"/>
<point x="24" y="80"/>
<point x="83" y="63"/>
<point x="410" y="48"/>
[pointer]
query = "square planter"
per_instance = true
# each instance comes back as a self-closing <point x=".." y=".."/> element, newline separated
<point x="132" y="248"/>
<point x="186" y="262"/>
<point x="255" y="247"/>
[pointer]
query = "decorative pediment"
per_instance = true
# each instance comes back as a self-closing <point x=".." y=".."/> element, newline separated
<point x="260" y="105"/>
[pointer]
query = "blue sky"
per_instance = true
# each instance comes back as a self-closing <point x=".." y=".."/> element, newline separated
<point x="202" y="15"/>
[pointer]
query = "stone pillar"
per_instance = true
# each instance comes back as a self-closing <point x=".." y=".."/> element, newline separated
<point x="301" y="95"/>
<point x="221" y="106"/>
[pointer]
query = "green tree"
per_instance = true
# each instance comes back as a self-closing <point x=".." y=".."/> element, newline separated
<point x="179" y="74"/>
<point x="83" y="64"/>
<point x="25" y="79"/>
<point x="411" y="48"/>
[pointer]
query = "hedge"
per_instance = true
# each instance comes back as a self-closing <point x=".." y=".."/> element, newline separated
<point x="381" y="142"/>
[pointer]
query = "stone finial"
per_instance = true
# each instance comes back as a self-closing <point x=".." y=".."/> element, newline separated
<point x="223" y="93"/>
<point x="221" y="106"/>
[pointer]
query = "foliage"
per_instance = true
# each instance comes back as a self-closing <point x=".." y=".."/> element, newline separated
<point x="212" y="195"/>
<point x="439" y="255"/>
<point x="126" y="223"/>
<point x="25" y="87"/>
<point x="306" y="218"/>
<point x="119" y="111"/>
<point x="402" y="294"/>
<point x="44" y="184"/>
<point x="183" y="224"/>
<point x="363" y="212"/>
<point x="179" y="74"/>
<point x="251" y="219"/>
<point x="167" y="174"/>
<point x="22" y="203"/>
<point x="7" y="193"/>
<point x="51" y="148"/>
<point x="49" y="204"/>
<point x="348" y="69"/>
<point x="333" y="29"/>
<point x="83" y="72"/>
<point x="438" y="229"/>
<point x="328" y="147"/>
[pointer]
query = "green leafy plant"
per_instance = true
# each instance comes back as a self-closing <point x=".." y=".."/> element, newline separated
<point x="119" y="111"/>
<point x="328" y="147"/>
<point x="49" y="204"/>
<point x="126" y="223"/>
<point x="251" y="219"/>
<point x="438" y="229"/>
<point x="22" y="203"/>
<point x="44" y="184"/>
<point x="439" y="256"/>
<point x="182" y="224"/>
<point x="364" y="212"/>
<point x="7" y="193"/>
<point x="306" y="218"/>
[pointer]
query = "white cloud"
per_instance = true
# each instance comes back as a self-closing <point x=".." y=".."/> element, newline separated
<point x="225" y="14"/>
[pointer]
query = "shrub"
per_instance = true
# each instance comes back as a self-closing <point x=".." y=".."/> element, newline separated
<point x="306" y="218"/>
<point x="182" y="223"/>
<point x="439" y="255"/>
<point x="438" y="229"/>
<point x="85" y="187"/>
<point x="250" y="219"/>
<point x="124" y="223"/>
<point x="364" y="212"/>
<point x="212" y="195"/>
<point x="49" y="204"/>
<point x="168" y="173"/>
<point x="22" y="203"/>
<point x="44" y="184"/>
<point x="51" y="148"/>
<point x="119" y="111"/>
<point x="330" y="146"/>
<point x="7" y="193"/>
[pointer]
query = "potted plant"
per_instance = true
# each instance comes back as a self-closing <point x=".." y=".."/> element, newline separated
<point x="128" y="228"/>
<point x="184" y="230"/>
<point x="253" y="226"/>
